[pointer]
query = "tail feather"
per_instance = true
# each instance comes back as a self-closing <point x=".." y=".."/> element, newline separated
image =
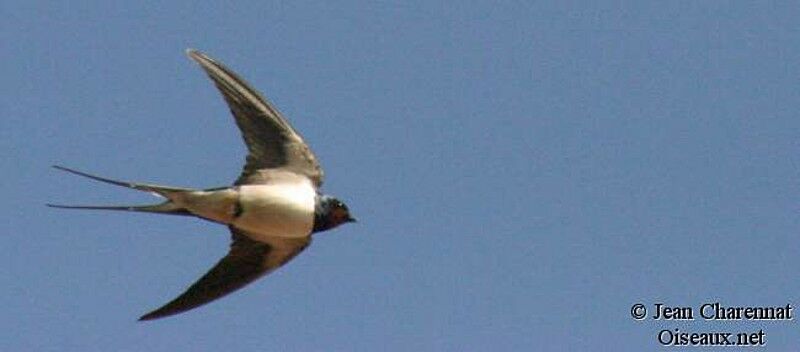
<point x="159" y="190"/>
<point x="164" y="208"/>
<point x="167" y="207"/>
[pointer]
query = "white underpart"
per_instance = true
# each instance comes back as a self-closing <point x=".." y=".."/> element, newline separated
<point x="282" y="210"/>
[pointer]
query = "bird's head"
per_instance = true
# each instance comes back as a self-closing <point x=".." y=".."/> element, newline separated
<point x="329" y="213"/>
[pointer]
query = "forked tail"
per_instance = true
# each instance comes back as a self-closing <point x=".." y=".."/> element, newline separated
<point x="167" y="207"/>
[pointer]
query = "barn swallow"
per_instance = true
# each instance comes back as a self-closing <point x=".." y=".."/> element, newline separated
<point x="271" y="210"/>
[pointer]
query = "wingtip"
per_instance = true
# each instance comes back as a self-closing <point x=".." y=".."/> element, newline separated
<point x="153" y="315"/>
<point x="156" y="314"/>
<point x="196" y="55"/>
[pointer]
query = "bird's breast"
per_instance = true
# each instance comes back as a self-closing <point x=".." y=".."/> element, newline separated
<point x="277" y="210"/>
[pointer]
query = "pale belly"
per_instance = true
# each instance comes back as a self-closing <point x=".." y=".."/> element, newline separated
<point x="276" y="210"/>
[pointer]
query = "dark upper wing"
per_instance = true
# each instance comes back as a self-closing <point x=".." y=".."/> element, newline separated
<point x="271" y="141"/>
<point x="246" y="261"/>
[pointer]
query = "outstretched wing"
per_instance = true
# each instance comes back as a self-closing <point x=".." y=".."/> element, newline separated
<point x="271" y="141"/>
<point x="246" y="261"/>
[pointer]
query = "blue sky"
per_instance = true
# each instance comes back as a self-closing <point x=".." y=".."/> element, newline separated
<point x="523" y="172"/>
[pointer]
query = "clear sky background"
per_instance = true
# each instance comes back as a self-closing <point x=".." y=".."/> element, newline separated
<point x="523" y="172"/>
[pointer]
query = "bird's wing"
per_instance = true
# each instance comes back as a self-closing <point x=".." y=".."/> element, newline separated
<point x="271" y="141"/>
<point x="246" y="261"/>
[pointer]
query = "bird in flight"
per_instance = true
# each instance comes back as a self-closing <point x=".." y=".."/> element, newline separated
<point x="271" y="210"/>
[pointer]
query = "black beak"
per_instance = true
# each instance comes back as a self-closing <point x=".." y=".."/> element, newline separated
<point x="351" y="219"/>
